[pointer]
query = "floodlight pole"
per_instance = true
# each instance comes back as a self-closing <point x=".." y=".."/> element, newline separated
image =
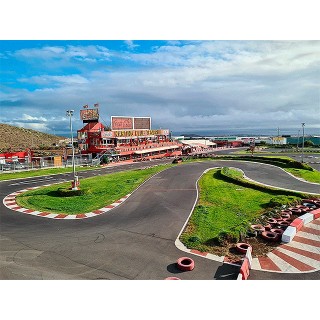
<point x="303" y="124"/>
<point x="75" y="181"/>
<point x="298" y="140"/>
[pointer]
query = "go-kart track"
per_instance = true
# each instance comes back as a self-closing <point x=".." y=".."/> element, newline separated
<point x="135" y="240"/>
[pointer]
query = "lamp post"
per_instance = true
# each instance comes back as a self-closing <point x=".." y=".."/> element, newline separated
<point x="298" y="139"/>
<point x="303" y="124"/>
<point x="69" y="113"/>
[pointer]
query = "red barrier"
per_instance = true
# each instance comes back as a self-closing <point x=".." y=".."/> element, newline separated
<point x="297" y="223"/>
<point x="244" y="270"/>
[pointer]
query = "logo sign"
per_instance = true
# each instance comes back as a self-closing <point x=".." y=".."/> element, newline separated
<point x="89" y="114"/>
<point x="107" y="134"/>
<point x="121" y="123"/>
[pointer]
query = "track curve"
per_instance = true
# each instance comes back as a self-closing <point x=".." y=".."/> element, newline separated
<point x="133" y="241"/>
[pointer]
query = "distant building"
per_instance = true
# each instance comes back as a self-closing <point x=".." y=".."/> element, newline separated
<point x="129" y="138"/>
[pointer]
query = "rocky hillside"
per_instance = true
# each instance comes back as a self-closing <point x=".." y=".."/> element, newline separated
<point x="18" y="139"/>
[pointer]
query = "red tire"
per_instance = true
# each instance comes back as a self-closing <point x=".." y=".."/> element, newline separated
<point x="272" y="221"/>
<point x="243" y="247"/>
<point x="267" y="227"/>
<point x="172" y="278"/>
<point x="257" y="227"/>
<point x="278" y="231"/>
<point x="287" y="211"/>
<point x="185" y="264"/>
<point x="308" y="201"/>
<point x="270" y="236"/>
<point x="285" y="215"/>
<point x="284" y="223"/>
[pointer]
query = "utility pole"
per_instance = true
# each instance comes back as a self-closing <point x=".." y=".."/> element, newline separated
<point x="303" y="124"/>
<point x="75" y="178"/>
<point x="298" y="139"/>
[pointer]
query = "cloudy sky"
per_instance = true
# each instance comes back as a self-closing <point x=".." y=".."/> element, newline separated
<point x="186" y="86"/>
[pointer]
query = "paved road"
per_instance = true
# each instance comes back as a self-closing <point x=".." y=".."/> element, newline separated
<point x="133" y="241"/>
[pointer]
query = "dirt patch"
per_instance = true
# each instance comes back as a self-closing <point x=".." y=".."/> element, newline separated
<point x="260" y="248"/>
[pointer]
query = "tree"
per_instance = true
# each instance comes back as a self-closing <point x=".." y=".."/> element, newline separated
<point x="308" y="143"/>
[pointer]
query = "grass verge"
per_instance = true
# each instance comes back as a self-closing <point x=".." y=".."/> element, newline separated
<point x="226" y="209"/>
<point x="96" y="192"/>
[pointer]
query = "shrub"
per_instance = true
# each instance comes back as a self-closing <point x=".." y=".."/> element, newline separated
<point x="279" y="201"/>
<point x="61" y="192"/>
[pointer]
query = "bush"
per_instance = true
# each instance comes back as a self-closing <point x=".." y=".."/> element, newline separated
<point x="61" y="192"/>
<point x="279" y="201"/>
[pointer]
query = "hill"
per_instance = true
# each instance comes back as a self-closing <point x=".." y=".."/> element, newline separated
<point x="18" y="139"/>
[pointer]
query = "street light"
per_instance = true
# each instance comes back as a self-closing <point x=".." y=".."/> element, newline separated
<point x="303" y="124"/>
<point x="69" y="113"/>
<point x="298" y="140"/>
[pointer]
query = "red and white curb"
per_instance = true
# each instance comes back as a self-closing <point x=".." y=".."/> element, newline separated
<point x="301" y="255"/>
<point x="10" y="202"/>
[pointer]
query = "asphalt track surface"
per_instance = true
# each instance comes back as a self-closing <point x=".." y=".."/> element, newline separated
<point x="136" y="240"/>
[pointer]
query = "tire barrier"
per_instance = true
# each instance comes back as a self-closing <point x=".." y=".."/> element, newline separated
<point x="257" y="227"/>
<point x="251" y="234"/>
<point x="279" y="232"/>
<point x="296" y="211"/>
<point x="308" y="201"/>
<point x="272" y="221"/>
<point x="243" y="247"/>
<point x="185" y="264"/>
<point x="285" y="216"/>
<point x="317" y="203"/>
<point x="305" y="209"/>
<point x="284" y="224"/>
<point x="267" y="227"/>
<point x="270" y="236"/>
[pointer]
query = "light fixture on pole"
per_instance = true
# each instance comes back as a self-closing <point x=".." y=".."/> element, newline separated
<point x="75" y="182"/>
<point x="303" y="124"/>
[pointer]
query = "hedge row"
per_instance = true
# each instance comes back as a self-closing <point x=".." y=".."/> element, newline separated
<point x="280" y="162"/>
<point x="226" y="175"/>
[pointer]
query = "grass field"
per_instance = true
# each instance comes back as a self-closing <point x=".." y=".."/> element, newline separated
<point x="97" y="192"/>
<point x="225" y="210"/>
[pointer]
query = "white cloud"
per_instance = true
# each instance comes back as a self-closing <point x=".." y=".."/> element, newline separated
<point x="131" y="45"/>
<point x="31" y="118"/>
<point x="198" y="85"/>
<point x="46" y="79"/>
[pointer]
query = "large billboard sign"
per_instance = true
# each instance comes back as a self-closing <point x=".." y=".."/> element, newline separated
<point x="130" y="123"/>
<point x="142" y="123"/>
<point x="121" y="123"/>
<point x="89" y="115"/>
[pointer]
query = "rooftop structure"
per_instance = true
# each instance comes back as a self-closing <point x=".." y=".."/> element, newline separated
<point x="129" y="138"/>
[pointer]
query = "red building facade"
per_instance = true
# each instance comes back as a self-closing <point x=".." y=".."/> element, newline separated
<point x="130" y="138"/>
